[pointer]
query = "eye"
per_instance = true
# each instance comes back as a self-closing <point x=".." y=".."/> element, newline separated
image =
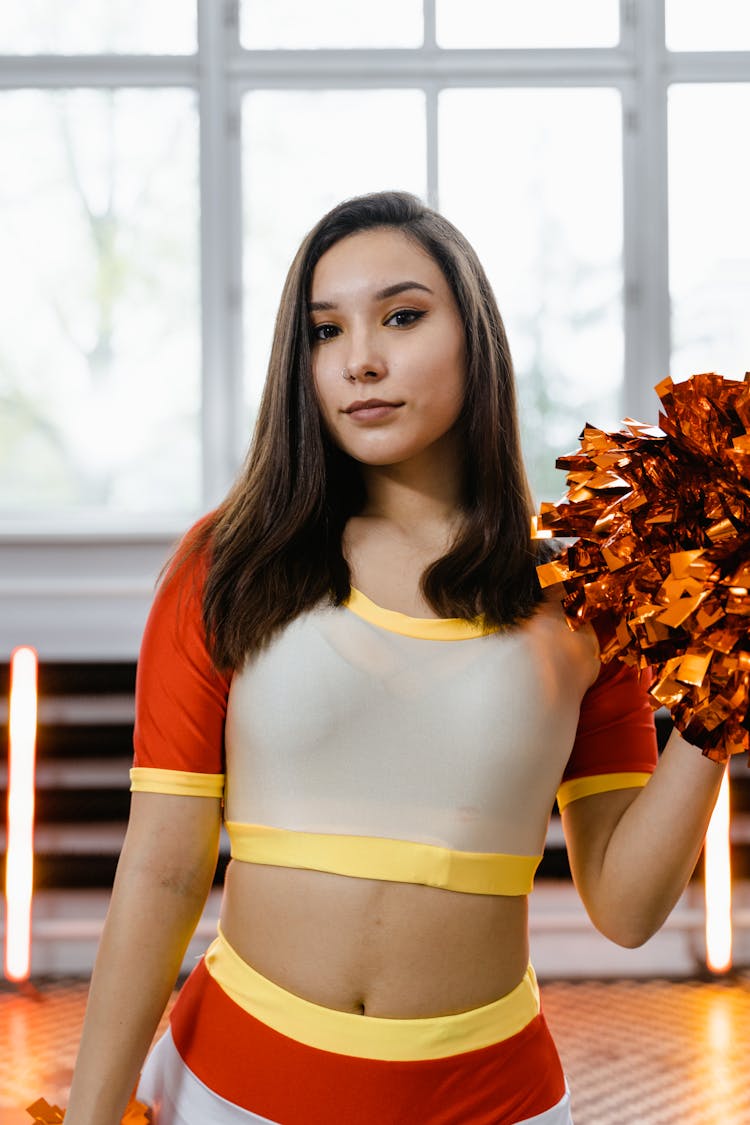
<point x="404" y="318"/>
<point x="319" y="332"/>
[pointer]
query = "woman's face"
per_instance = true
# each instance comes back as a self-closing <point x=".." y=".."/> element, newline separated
<point x="385" y="326"/>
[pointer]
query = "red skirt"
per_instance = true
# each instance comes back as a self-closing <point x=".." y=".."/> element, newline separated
<point x="286" y="1060"/>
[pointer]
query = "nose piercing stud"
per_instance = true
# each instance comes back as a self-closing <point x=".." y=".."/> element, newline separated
<point x="345" y="375"/>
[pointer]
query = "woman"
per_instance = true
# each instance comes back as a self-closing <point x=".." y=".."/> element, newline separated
<point x="354" y="654"/>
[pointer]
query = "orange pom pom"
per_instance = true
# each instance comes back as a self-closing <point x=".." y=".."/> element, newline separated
<point x="661" y="565"/>
<point x="45" y="1114"/>
<point x="136" y="1114"/>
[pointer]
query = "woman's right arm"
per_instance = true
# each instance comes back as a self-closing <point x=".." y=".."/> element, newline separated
<point x="163" y="878"/>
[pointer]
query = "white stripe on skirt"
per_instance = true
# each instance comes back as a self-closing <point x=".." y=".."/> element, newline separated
<point x="177" y="1097"/>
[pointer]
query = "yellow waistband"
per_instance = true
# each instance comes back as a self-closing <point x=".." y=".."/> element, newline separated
<point x="375" y="857"/>
<point x="371" y="1037"/>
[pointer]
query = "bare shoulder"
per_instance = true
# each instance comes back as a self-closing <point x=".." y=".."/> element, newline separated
<point x="578" y="644"/>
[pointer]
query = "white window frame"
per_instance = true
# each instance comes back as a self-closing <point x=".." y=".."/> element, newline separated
<point x="79" y="592"/>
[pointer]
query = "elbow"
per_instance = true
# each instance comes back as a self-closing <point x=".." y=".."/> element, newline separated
<point x="631" y="938"/>
<point x="628" y="930"/>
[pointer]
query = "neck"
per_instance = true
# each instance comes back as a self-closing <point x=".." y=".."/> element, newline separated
<point x="422" y="493"/>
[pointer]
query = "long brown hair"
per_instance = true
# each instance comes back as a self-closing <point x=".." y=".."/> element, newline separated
<point x="274" y="545"/>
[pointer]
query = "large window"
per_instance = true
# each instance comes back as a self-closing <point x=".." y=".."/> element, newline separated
<point x="90" y="27"/>
<point x="292" y="24"/>
<point x="544" y="211"/>
<point x="694" y="25"/>
<point x="99" y="353"/>
<point x="162" y="162"/>
<point x="304" y="151"/>
<point x="709" y="260"/>
<point x="535" y="23"/>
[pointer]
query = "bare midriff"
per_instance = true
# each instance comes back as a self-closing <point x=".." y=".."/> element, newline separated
<point x="394" y="950"/>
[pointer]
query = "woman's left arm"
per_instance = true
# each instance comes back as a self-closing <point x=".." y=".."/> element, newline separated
<point x="632" y="851"/>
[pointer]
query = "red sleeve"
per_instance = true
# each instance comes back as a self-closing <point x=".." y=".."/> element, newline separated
<point x="180" y="698"/>
<point x="616" y="735"/>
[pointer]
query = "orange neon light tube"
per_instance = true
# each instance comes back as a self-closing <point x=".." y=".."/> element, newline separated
<point x="19" y="861"/>
<point x="718" y="885"/>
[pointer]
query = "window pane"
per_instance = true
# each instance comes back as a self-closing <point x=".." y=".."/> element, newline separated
<point x="80" y="27"/>
<point x="298" y="24"/>
<point x="694" y="25"/>
<point x="709" y="234"/>
<point x="543" y="207"/>
<point x="303" y="153"/>
<point x="99" y="363"/>
<point x="535" y="23"/>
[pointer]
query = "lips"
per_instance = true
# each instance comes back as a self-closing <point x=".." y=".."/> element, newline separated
<point x="369" y="404"/>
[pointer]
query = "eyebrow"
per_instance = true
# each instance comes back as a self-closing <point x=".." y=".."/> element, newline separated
<point x="381" y="295"/>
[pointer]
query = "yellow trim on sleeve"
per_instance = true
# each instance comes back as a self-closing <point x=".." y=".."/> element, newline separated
<point x="598" y="783"/>
<point x="145" y="779"/>
<point x="376" y="857"/>
<point x="370" y="1037"/>
<point x="426" y="628"/>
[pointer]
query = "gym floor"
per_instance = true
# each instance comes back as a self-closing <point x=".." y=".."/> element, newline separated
<point x="636" y="1052"/>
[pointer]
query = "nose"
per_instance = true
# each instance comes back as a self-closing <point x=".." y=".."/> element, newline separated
<point x="363" y="374"/>
<point x="365" y="361"/>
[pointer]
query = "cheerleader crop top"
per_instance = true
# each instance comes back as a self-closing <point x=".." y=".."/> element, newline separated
<point x="371" y="744"/>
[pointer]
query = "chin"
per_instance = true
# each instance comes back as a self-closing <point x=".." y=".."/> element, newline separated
<point x="383" y="458"/>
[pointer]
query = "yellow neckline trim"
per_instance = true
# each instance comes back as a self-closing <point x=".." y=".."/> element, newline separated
<point x="428" y="628"/>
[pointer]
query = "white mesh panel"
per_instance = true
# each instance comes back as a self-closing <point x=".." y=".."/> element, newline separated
<point x="342" y="726"/>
